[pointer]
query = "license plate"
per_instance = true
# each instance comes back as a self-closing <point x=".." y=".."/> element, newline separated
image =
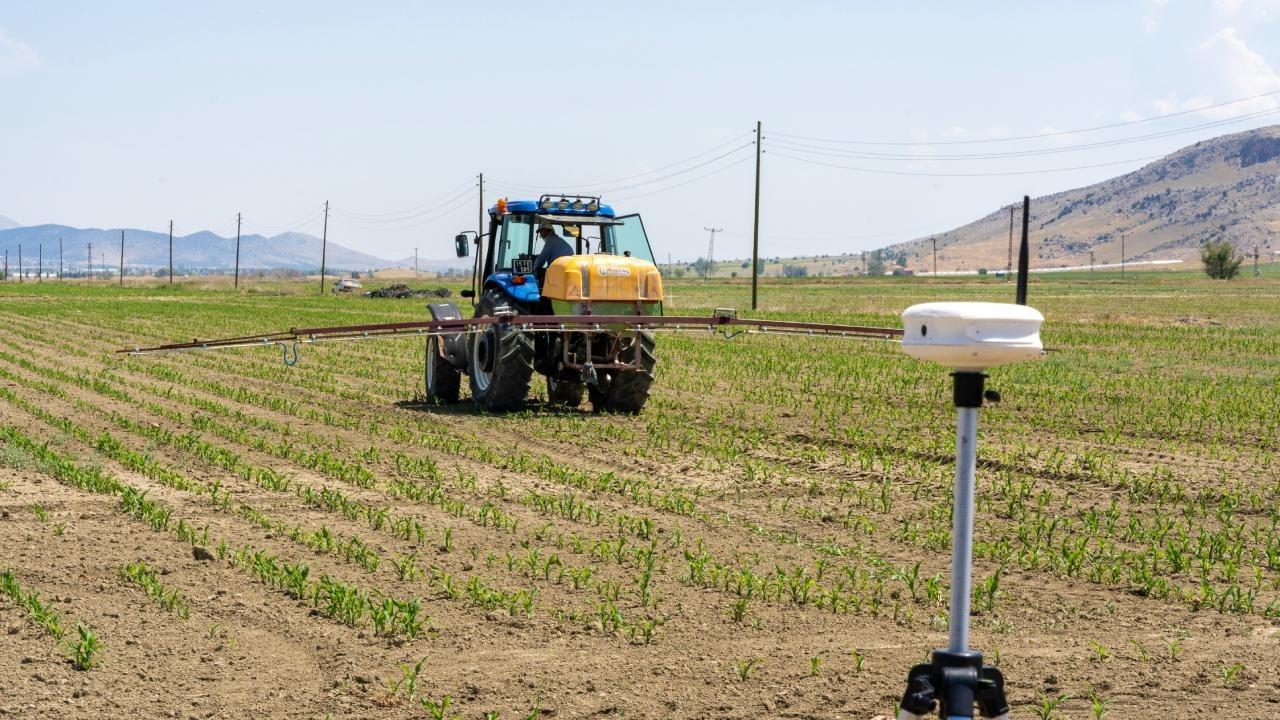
<point x="522" y="265"/>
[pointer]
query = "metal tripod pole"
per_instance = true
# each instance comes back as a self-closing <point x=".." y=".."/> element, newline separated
<point x="956" y="679"/>
<point x="962" y="528"/>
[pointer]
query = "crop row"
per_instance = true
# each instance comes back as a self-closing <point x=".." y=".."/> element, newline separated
<point x="82" y="650"/>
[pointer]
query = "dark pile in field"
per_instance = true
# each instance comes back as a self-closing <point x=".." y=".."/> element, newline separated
<point x="400" y="290"/>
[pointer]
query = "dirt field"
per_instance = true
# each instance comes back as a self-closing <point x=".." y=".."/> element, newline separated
<point x="770" y="538"/>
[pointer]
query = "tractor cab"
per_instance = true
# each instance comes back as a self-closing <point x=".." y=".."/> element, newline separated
<point x="596" y="238"/>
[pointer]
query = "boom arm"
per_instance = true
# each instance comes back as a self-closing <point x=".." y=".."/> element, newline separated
<point x="721" y="320"/>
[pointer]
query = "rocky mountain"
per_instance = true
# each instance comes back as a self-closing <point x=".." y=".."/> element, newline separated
<point x="1226" y="186"/>
<point x="200" y="251"/>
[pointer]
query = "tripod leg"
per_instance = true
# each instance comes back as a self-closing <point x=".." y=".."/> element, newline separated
<point x="991" y="699"/>
<point x="919" y="700"/>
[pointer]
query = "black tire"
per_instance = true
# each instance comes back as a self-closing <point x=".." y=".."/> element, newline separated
<point x="626" y="391"/>
<point x="442" y="380"/>
<point x="564" y="392"/>
<point x="501" y="361"/>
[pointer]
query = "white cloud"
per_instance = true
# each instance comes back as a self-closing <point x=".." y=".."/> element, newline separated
<point x="1173" y="103"/>
<point x="16" y="56"/>
<point x="1242" y="71"/>
<point x="1151" y="19"/>
<point x="1130" y="116"/>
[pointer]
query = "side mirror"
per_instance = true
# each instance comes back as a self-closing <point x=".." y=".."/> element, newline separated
<point x="461" y="246"/>
<point x="468" y="293"/>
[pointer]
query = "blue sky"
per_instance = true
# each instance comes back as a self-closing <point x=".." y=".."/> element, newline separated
<point x="130" y="114"/>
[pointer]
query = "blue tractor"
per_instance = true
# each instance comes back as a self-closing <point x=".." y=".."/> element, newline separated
<point x="605" y="267"/>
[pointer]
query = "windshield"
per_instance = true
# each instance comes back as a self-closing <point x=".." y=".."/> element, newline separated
<point x="517" y="237"/>
<point x="627" y="238"/>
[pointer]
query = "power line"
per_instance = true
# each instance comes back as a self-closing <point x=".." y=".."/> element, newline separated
<point x="717" y="171"/>
<point x="437" y="214"/>
<point x="678" y="173"/>
<point x="408" y="213"/>
<point x="867" y="155"/>
<point x="876" y="171"/>
<point x="309" y="219"/>
<point x="682" y="172"/>
<point x="600" y="183"/>
<point x="1054" y="133"/>
<point x="357" y="218"/>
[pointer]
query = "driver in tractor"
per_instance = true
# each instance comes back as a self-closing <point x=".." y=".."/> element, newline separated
<point x="553" y="247"/>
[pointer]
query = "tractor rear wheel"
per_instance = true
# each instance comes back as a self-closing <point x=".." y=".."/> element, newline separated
<point x="626" y="391"/>
<point x="501" y="361"/>
<point x="565" y="393"/>
<point x="441" y="379"/>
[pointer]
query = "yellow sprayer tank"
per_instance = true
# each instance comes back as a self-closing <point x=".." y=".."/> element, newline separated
<point x="603" y="285"/>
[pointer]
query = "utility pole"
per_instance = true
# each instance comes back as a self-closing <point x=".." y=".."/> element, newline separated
<point x="1090" y="262"/>
<point x="711" y="252"/>
<point x="19" y="262"/>
<point x="40" y="263"/>
<point x="324" y="245"/>
<point x="1008" y="269"/>
<point x="59" y="259"/>
<point x="89" y="277"/>
<point x="121" y="258"/>
<point x="480" y="212"/>
<point x="6" y="264"/>
<point x="415" y="263"/>
<point x="934" y="240"/>
<point x="1256" y="271"/>
<point x="237" y="280"/>
<point x="755" y="229"/>
<point x="1121" y="256"/>
<point x="479" y="263"/>
<point x="670" y="269"/>
<point x="170" y="252"/>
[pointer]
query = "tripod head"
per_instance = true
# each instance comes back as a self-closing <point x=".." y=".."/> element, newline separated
<point x="972" y="336"/>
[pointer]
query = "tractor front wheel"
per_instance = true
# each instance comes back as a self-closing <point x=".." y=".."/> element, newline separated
<point x="442" y="380"/>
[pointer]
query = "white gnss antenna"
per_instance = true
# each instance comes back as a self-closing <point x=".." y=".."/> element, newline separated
<point x="969" y="338"/>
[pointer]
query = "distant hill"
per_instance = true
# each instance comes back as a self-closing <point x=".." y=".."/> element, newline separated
<point x="436" y="265"/>
<point x="7" y="223"/>
<point x="203" y="250"/>
<point x="1165" y="210"/>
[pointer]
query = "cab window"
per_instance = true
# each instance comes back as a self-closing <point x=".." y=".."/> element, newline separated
<point x="627" y="238"/>
<point x="515" y="239"/>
